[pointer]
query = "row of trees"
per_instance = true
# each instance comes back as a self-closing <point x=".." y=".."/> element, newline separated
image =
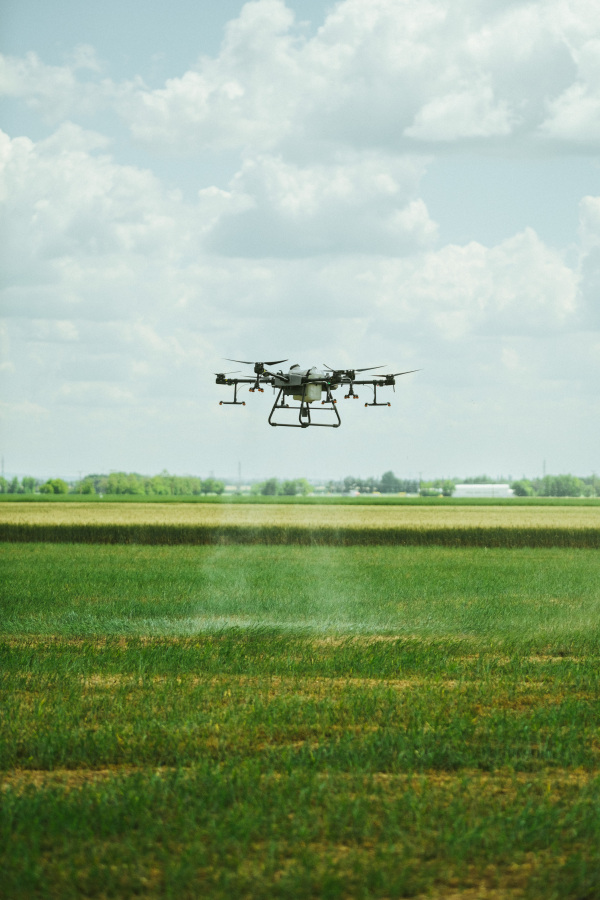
<point x="29" y="485"/>
<point x="184" y="485"/>
<point x="163" y="485"/>
<point x="558" y="486"/>
<point x="118" y="483"/>
<point x="387" y="484"/>
<point x="275" y="488"/>
<point x="548" y="486"/>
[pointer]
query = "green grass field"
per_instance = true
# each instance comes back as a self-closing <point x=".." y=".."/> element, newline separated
<point x="260" y="721"/>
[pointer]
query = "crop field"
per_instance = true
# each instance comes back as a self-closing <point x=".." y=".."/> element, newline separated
<point x="342" y="516"/>
<point x="284" y="721"/>
<point x="501" y="525"/>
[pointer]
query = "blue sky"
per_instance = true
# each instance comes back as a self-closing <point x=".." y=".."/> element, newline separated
<point x="360" y="182"/>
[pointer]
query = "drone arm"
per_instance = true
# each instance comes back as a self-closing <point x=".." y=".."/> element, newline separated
<point x="220" y="379"/>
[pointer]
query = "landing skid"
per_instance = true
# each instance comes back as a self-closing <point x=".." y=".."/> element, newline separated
<point x="235" y="401"/>
<point x="305" y="412"/>
<point x="375" y="403"/>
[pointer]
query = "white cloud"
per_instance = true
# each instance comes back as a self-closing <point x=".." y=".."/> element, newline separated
<point x="366" y="204"/>
<point x="83" y="225"/>
<point x="124" y="294"/>
<point x="56" y="92"/>
<point x="468" y="112"/>
<point x="377" y="73"/>
<point x="589" y="215"/>
<point x="574" y="116"/>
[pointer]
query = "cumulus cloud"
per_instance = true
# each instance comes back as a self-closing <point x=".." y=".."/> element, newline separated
<point x="470" y="111"/>
<point x="377" y="73"/>
<point x="102" y="253"/>
<point x="366" y="204"/>
<point x="121" y="294"/>
<point x="383" y="74"/>
<point x="84" y="222"/>
<point x="589" y="214"/>
<point x="57" y="92"/>
<point x="517" y="287"/>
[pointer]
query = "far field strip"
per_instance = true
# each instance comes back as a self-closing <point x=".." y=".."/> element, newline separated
<point x="328" y="516"/>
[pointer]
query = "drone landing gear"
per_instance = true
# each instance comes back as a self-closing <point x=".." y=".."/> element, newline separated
<point x="375" y="403"/>
<point x="235" y="401"/>
<point x="304" y="417"/>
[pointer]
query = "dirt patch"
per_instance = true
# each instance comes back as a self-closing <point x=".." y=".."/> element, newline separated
<point x="72" y="779"/>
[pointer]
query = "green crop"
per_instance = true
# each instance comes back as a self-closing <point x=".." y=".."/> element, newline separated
<point x="427" y="591"/>
<point x="255" y="721"/>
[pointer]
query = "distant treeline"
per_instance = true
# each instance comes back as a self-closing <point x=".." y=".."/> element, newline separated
<point x="558" y="486"/>
<point x="118" y="483"/>
<point x="548" y="486"/>
<point x="387" y="484"/>
<point x="186" y="485"/>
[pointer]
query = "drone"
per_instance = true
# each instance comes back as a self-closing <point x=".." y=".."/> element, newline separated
<point x="306" y="387"/>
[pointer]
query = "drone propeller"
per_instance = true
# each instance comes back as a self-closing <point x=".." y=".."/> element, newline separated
<point x="395" y="375"/>
<point x="247" y="363"/>
<point x="368" y="369"/>
<point x="259" y="370"/>
<point x="227" y="373"/>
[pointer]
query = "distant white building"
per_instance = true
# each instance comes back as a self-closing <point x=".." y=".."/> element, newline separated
<point x="238" y="488"/>
<point x="483" y="490"/>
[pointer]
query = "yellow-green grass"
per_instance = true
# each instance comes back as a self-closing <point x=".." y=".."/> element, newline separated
<point x="317" y="524"/>
<point x="333" y="516"/>
<point x="280" y="722"/>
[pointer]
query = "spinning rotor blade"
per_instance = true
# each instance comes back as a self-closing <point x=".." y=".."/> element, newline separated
<point x="395" y="375"/>
<point x="245" y="362"/>
<point x="368" y="369"/>
<point x="235" y="371"/>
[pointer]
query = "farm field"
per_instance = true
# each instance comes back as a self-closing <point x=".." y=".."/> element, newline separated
<point x="345" y="524"/>
<point x="259" y="721"/>
<point x="306" y="516"/>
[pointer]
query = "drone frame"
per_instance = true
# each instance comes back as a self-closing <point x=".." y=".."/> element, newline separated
<point x="305" y="420"/>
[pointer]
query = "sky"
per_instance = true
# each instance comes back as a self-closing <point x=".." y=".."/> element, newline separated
<point x="406" y="183"/>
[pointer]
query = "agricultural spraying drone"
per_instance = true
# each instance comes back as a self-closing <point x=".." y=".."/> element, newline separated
<point x="306" y="386"/>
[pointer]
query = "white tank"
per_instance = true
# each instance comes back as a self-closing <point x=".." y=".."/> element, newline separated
<point x="313" y="392"/>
